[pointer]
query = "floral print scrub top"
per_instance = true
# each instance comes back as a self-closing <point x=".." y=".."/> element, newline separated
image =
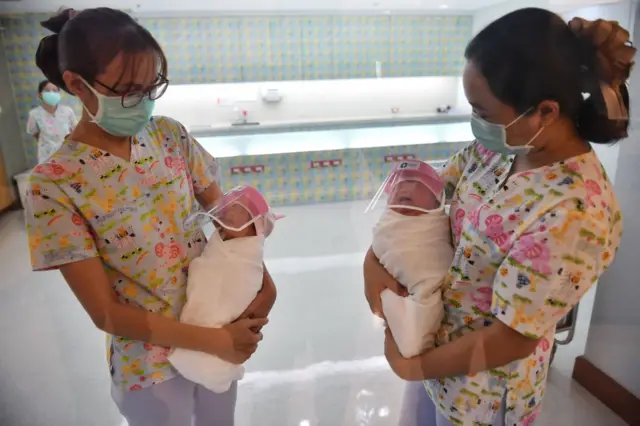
<point x="52" y="128"/>
<point x="528" y="247"/>
<point x="85" y="203"/>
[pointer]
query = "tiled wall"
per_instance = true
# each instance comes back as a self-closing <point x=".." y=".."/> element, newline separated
<point x="267" y="48"/>
<point x="288" y="179"/>
<point x="262" y="48"/>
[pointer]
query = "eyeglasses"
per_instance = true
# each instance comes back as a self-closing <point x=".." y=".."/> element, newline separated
<point x="132" y="99"/>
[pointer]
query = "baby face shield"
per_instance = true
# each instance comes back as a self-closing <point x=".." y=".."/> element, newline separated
<point x="413" y="186"/>
<point x="240" y="208"/>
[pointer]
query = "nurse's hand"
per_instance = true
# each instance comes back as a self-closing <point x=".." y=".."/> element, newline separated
<point x="236" y="342"/>
<point x="377" y="280"/>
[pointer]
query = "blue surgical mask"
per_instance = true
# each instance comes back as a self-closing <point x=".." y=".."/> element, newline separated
<point x="117" y="120"/>
<point x="51" y="98"/>
<point x="493" y="137"/>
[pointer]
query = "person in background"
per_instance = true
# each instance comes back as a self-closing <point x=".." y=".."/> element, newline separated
<point x="107" y="210"/>
<point x="49" y="123"/>
<point x="534" y="216"/>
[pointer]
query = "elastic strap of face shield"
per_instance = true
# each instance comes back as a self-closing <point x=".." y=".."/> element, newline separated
<point x="264" y="224"/>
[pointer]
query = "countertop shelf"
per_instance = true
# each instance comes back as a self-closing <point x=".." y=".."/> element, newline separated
<point x="375" y="135"/>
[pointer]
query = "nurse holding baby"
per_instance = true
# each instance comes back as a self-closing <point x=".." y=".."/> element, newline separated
<point x="108" y="210"/>
<point x="534" y="220"/>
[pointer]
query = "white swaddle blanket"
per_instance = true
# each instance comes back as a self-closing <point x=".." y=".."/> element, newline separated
<point x="417" y="251"/>
<point x="222" y="283"/>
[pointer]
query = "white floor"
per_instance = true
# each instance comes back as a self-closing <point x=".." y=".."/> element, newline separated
<point x="320" y="363"/>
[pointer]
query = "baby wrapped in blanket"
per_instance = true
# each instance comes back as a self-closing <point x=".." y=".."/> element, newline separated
<point x="412" y="240"/>
<point x="224" y="280"/>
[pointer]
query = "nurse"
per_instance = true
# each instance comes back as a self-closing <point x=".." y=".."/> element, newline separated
<point x="108" y="208"/>
<point x="49" y="123"/>
<point x="535" y="219"/>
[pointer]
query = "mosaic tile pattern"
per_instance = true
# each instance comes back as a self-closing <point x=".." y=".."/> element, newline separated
<point x="288" y="179"/>
<point x="260" y="48"/>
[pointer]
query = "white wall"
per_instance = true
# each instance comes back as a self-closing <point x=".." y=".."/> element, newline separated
<point x="308" y="101"/>
<point x="614" y="333"/>
<point x="621" y="11"/>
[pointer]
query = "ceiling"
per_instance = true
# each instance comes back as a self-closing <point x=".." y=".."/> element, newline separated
<point x="282" y="6"/>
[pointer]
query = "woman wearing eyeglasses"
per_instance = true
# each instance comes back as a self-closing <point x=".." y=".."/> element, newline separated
<point x="49" y="123"/>
<point x="108" y="208"/>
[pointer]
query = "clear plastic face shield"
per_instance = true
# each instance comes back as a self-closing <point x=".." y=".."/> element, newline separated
<point x="412" y="188"/>
<point x="238" y="210"/>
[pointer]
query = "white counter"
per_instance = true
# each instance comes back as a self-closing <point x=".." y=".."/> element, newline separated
<point x="326" y="140"/>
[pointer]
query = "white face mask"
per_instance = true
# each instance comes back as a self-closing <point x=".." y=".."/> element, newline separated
<point x="493" y="137"/>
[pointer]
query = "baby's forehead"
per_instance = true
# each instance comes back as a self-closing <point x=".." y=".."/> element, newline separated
<point x="234" y="209"/>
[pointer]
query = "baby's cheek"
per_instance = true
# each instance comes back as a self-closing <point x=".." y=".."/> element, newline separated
<point x="434" y="202"/>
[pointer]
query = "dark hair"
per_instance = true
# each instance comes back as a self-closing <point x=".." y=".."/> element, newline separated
<point x="532" y="55"/>
<point x="86" y="42"/>
<point x="42" y="85"/>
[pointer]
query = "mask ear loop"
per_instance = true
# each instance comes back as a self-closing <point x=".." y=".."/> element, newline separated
<point x="526" y="146"/>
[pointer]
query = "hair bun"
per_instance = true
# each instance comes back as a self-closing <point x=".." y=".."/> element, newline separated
<point x="58" y="21"/>
<point x="611" y="66"/>
<point x="615" y="52"/>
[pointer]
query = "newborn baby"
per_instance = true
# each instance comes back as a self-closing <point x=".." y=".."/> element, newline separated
<point x="412" y="240"/>
<point x="224" y="280"/>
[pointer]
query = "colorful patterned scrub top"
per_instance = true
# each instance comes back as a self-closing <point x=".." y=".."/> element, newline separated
<point x="528" y="247"/>
<point x="52" y="128"/>
<point x="84" y="203"/>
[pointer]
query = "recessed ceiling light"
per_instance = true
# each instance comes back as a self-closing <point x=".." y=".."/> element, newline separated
<point x="444" y="6"/>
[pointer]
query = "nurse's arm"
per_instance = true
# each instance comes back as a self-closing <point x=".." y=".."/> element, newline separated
<point x="32" y="126"/>
<point x="521" y="316"/>
<point x="477" y="351"/>
<point x="376" y="280"/>
<point x="268" y="293"/>
<point x="209" y="196"/>
<point x="90" y="283"/>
